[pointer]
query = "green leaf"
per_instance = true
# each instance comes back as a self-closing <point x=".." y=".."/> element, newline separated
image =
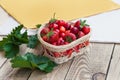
<point x="49" y="34"/>
<point x="52" y="20"/>
<point x="50" y="67"/>
<point x="83" y="23"/>
<point x="38" y="25"/>
<point x="20" y="62"/>
<point x="68" y="39"/>
<point x="17" y="29"/>
<point x="1" y="45"/>
<point x="33" y="41"/>
<point x="8" y="47"/>
<point x="10" y="44"/>
<point x="1" y="49"/>
<point x="19" y="37"/>
<point x="43" y="66"/>
<point x="29" y="60"/>
<point x="11" y="50"/>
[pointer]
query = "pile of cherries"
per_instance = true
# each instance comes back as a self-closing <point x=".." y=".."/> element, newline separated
<point x="60" y="32"/>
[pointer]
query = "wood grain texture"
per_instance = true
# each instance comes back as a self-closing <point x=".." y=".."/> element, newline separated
<point x="2" y="59"/>
<point x="114" y="70"/>
<point x="19" y="74"/>
<point x="57" y="74"/>
<point x="93" y="62"/>
<point x="8" y="73"/>
<point x="5" y="70"/>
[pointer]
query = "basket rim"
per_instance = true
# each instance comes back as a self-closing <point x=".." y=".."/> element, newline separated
<point x="57" y="47"/>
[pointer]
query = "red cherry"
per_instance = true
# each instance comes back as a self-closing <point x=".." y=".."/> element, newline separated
<point x="86" y="29"/>
<point x="74" y="30"/>
<point x="53" y="25"/>
<point x="62" y="35"/>
<point x="66" y="42"/>
<point x="57" y="30"/>
<point x="80" y="34"/>
<point x="62" y="29"/>
<point x="76" y="48"/>
<point x="45" y="30"/>
<point x="56" y="54"/>
<point x="69" y="52"/>
<point x="45" y="38"/>
<point x="60" y="41"/>
<point x="50" y="25"/>
<point x="71" y="26"/>
<point x="77" y="24"/>
<point x="68" y="31"/>
<point x="54" y="37"/>
<point x="87" y="43"/>
<point x="55" y="43"/>
<point x="69" y="37"/>
<point x="67" y="26"/>
<point x="60" y="22"/>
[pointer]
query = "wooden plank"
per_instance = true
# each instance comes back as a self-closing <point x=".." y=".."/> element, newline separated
<point x="57" y="74"/>
<point x="90" y="65"/>
<point x="5" y="70"/>
<point x="19" y="74"/>
<point x="2" y="59"/>
<point x="114" y="70"/>
<point x="8" y="73"/>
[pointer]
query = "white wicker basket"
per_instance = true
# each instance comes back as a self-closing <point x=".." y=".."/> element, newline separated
<point x="49" y="49"/>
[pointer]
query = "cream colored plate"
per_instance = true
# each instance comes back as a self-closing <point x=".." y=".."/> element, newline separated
<point x="32" y="12"/>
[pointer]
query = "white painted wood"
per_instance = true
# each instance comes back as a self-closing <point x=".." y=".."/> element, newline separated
<point x="2" y="59"/>
<point x="6" y="22"/>
<point x="89" y="64"/>
<point x="8" y="73"/>
<point x="114" y="70"/>
<point x="57" y="74"/>
<point x="5" y="70"/>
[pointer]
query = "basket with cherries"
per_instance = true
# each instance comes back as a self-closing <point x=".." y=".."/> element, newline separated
<point x="60" y="33"/>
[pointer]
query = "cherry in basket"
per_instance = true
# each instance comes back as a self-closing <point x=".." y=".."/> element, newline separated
<point x="60" y="32"/>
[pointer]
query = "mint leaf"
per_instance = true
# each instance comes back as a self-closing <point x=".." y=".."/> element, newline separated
<point x="17" y="37"/>
<point x="11" y="50"/>
<point x="50" y="66"/>
<point x="20" y="62"/>
<point x="33" y="41"/>
<point x="43" y="66"/>
<point x="29" y="60"/>
<point x="10" y="44"/>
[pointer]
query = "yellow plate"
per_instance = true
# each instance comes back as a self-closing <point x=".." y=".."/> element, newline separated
<point x="32" y="12"/>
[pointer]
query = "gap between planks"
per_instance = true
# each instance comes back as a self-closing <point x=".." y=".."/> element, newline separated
<point x="114" y="69"/>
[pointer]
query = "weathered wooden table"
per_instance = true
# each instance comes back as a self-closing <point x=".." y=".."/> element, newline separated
<point x="101" y="63"/>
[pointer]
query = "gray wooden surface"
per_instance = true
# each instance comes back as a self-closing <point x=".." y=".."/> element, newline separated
<point x="101" y="63"/>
